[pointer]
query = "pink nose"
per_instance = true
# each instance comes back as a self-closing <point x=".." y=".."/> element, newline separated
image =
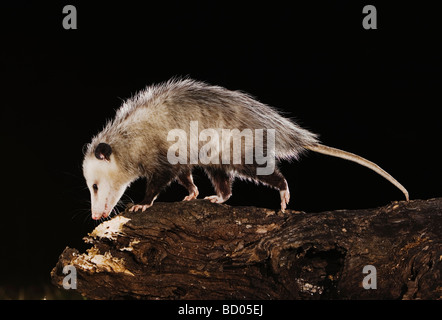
<point x="98" y="216"/>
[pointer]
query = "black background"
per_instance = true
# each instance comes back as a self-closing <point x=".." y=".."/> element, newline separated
<point x="372" y="92"/>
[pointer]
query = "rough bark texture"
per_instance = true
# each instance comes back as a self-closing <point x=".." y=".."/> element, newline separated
<point x="200" y="250"/>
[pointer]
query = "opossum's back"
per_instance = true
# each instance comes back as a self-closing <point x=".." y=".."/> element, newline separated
<point x="216" y="107"/>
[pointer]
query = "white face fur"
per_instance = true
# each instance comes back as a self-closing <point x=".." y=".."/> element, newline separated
<point x="105" y="185"/>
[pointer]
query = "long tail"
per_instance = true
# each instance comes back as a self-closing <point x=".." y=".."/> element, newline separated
<point x="355" y="158"/>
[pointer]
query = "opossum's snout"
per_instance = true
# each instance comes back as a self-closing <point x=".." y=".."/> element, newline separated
<point x="98" y="214"/>
<point x="100" y="204"/>
<point x="105" y="184"/>
<point x="104" y="197"/>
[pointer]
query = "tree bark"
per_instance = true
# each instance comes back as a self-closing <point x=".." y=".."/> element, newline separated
<point x="201" y="250"/>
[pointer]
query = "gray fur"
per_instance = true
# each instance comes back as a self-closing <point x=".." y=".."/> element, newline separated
<point x="175" y="103"/>
<point x="139" y="130"/>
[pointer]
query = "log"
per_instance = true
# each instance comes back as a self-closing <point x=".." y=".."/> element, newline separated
<point x="201" y="250"/>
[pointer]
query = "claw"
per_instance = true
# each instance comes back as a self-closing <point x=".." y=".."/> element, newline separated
<point x="191" y="196"/>
<point x="138" y="207"/>
<point x="285" y="198"/>
<point x="215" y="199"/>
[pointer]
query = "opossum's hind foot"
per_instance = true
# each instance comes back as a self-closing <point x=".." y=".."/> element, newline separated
<point x="216" y="199"/>
<point x="285" y="198"/>
<point x="140" y="207"/>
<point x="275" y="180"/>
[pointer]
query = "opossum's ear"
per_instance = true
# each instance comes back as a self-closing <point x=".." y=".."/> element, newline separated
<point x="103" y="151"/>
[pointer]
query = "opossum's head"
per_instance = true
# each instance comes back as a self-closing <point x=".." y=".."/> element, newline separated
<point x="104" y="179"/>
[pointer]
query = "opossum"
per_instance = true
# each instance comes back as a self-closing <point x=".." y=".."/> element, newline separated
<point x="136" y="144"/>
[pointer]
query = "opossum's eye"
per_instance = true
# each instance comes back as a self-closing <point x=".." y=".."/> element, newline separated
<point x="103" y="151"/>
<point x="95" y="187"/>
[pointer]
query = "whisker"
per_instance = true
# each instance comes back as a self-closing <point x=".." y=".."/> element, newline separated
<point x="130" y="199"/>
<point x="70" y="174"/>
<point x="87" y="218"/>
<point x="79" y="212"/>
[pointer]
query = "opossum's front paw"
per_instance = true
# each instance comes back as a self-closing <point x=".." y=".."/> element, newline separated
<point x="140" y="207"/>
<point x="285" y="198"/>
<point x="215" y="199"/>
<point x="191" y="195"/>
